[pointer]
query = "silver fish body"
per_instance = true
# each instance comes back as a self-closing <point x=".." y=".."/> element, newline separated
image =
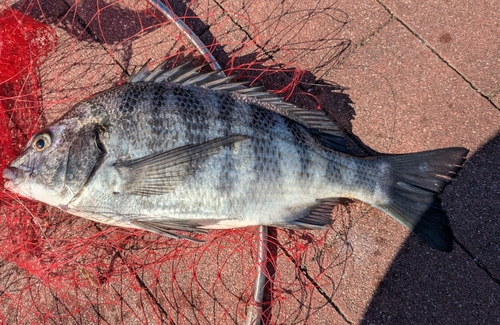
<point x="197" y="153"/>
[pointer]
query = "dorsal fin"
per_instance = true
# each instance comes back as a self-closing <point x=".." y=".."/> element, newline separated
<point x="332" y="134"/>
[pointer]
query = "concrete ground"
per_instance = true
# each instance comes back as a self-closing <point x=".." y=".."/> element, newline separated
<point x="403" y="76"/>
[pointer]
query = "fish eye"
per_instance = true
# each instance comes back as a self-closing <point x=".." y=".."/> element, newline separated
<point x="42" y="141"/>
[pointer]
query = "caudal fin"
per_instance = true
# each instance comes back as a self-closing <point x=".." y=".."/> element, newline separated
<point x="417" y="180"/>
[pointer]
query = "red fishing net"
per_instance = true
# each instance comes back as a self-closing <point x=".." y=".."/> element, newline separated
<point x="57" y="268"/>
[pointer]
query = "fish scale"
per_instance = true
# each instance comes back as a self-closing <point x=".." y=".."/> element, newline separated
<point x="176" y="151"/>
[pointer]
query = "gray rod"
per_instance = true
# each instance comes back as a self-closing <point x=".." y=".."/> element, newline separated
<point x="188" y="33"/>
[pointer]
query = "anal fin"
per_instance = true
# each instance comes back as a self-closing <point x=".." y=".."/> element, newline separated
<point x="319" y="218"/>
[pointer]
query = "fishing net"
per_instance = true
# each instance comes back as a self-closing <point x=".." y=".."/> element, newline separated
<point x="57" y="268"/>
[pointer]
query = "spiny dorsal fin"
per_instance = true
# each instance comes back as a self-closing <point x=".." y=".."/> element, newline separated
<point x="332" y="134"/>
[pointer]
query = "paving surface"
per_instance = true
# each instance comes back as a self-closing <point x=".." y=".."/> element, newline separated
<point x="415" y="76"/>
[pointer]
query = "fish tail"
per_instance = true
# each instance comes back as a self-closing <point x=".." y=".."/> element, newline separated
<point x="412" y="195"/>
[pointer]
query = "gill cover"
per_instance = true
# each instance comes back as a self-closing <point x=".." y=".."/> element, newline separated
<point x="84" y="158"/>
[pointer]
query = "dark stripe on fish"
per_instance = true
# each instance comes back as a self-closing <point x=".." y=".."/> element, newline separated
<point x="158" y="99"/>
<point x="129" y="102"/>
<point x="227" y="176"/>
<point x="262" y="119"/>
<point x="266" y="153"/>
<point x="258" y="148"/>
<point x="226" y="104"/>
<point x="333" y="172"/>
<point x="273" y="163"/>
<point x="157" y="122"/>
<point x="267" y="163"/>
<point x="305" y="162"/>
<point x="300" y="144"/>
<point x="185" y="100"/>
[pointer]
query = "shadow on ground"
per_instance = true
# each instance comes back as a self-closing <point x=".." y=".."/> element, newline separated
<point x="424" y="286"/>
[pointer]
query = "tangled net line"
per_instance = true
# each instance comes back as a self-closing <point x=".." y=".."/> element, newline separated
<point x="56" y="268"/>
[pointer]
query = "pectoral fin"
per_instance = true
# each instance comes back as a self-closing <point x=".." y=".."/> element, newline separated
<point x="162" y="172"/>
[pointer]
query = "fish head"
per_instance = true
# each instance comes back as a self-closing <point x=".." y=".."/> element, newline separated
<point x="55" y="163"/>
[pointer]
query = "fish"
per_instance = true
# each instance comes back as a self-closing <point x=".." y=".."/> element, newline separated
<point x="179" y="152"/>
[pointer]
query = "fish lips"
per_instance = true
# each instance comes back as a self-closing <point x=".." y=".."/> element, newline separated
<point x="15" y="178"/>
<point x="11" y="174"/>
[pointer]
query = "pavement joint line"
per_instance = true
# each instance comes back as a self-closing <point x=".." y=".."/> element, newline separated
<point x="262" y="48"/>
<point x="56" y="297"/>
<point x="142" y="284"/>
<point x="477" y="261"/>
<point x="362" y="43"/>
<point x="95" y="308"/>
<point x="496" y="92"/>
<point x="440" y="57"/>
<point x="376" y="31"/>
<point x="148" y="291"/>
<point x="347" y="56"/>
<point x="303" y="270"/>
<point x="88" y="30"/>
<point x="122" y="300"/>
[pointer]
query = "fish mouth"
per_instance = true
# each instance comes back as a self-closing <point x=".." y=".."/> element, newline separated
<point x="10" y="173"/>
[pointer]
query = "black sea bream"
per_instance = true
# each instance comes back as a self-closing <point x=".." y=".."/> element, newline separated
<point x="181" y="151"/>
